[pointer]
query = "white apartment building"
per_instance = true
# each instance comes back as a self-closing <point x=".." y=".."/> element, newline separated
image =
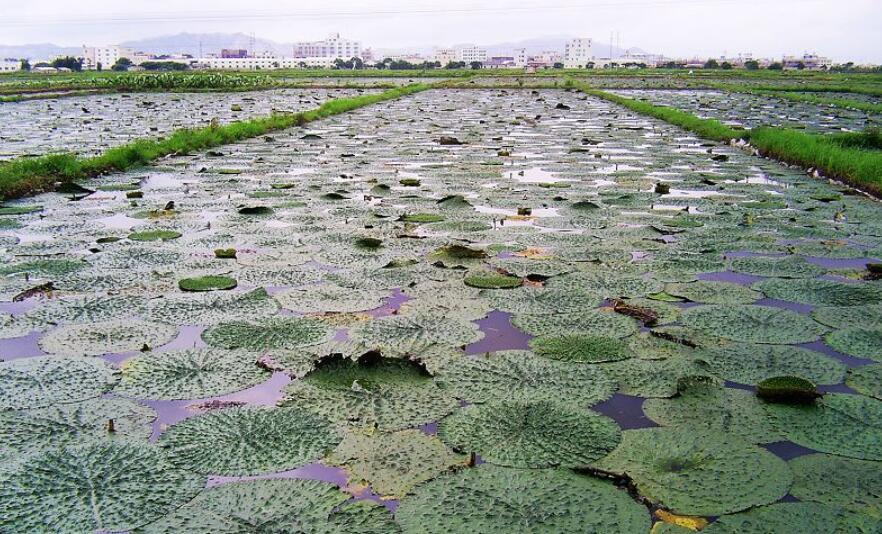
<point x="105" y="55"/>
<point x="334" y="47"/>
<point x="807" y="61"/>
<point x="578" y="53"/>
<point x="445" y="56"/>
<point x="520" y="57"/>
<point x="473" y="53"/>
<point x="262" y="63"/>
<point x="10" y="65"/>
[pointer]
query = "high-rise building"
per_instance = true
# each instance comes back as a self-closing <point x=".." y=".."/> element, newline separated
<point x="445" y="56"/>
<point x="473" y="53"/>
<point x="334" y="47"/>
<point x="105" y="55"/>
<point x="578" y="53"/>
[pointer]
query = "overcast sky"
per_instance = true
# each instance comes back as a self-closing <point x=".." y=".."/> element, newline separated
<point x="843" y="29"/>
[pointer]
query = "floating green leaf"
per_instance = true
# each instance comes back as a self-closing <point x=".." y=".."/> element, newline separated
<point x="190" y="374"/>
<point x="98" y="486"/>
<point x="866" y="380"/>
<point x="866" y="316"/>
<point x="531" y="434"/>
<point x="748" y="363"/>
<point x="704" y="473"/>
<point x="593" y="322"/>
<point x="268" y="334"/>
<point x="754" y="324"/>
<point x="48" y="380"/>
<point x="844" y="482"/>
<point x="331" y="298"/>
<point x="522" y="376"/>
<point x="817" y="292"/>
<point x="248" y="440"/>
<point x="393" y="464"/>
<point x="581" y="349"/>
<point x="417" y="328"/>
<point x="207" y="283"/>
<point x="108" y="337"/>
<point x="502" y="500"/>
<point x="772" y="267"/>
<point x="714" y="292"/>
<point x="213" y="308"/>
<point x="859" y="342"/>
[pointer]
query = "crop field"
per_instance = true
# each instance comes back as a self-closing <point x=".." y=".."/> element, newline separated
<point x="751" y="110"/>
<point x="455" y="310"/>
<point x="89" y="125"/>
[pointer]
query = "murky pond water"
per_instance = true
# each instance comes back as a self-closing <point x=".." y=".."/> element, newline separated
<point x="423" y="329"/>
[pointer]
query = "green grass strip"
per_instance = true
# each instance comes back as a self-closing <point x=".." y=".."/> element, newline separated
<point x="26" y="176"/>
<point x="831" y="154"/>
<point x="707" y="128"/>
<point x="845" y="103"/>
<point x="852" y="158"/>
<point x="798" y="94"/>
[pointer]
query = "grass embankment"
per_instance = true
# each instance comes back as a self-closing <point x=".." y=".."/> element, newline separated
<point x="707" y="128"/>
<point x="25" y="176"/>
<point x="804" y="94"/>
<point x="854" y="158"/>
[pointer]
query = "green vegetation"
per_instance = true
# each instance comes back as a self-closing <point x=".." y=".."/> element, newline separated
<point x="24" y="176"/>
<point x="708" y="128"/>
<point x="788" y="390"/>
<point x="154" y="235"/>
<point x="207" y="283"/>
<point x="832" y="155"/>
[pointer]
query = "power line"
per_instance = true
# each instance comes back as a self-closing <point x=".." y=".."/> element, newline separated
<point x="316" y="15"/>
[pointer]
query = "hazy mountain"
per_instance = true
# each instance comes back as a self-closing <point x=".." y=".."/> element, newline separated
<point x="213" y="43"/>
<point x="37" y="51"/>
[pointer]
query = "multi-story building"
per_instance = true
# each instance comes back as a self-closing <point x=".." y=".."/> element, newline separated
<point x="500" y="62"/>
<point x="807" y="62"/>
<point x="237" y="53"/>
<point x="473" y="53"/>
<point x="548" y="58"/>
<point x="334" y="47"/>
<point x="10" y="65"/>
<point x="520" y="57"/>
<point x="262" y="63"/>
<point x="444" y="56"/>
<point x="578" y="53"/>
<point x="105" y="55"/>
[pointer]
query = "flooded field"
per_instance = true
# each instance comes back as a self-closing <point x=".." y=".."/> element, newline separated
<point x="459" y="311"/>
<point x="89" y="125"/>
<point x="751" y="111"/>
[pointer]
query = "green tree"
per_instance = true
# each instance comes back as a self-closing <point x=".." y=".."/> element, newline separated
<point x="726" y="65"/>
<point x="25" y="65"/>
<point x="68" y="62"/>
<point x="455" y="65"/>
<point x="476" y="65"/>
<point x="558" y="65"/>
<point x="776" y="66"/>
<point x="751" y="65"/>
<point x="712" y="64"/>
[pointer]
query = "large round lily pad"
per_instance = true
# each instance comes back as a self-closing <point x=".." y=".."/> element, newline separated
<point x="502" y="500"/>
<point x="866" y="316"/>
<point x="753" y="324"/>
<point x="87" y="309"/>
<point x="212" y="308"/>
<point x="859" y="342"/>
<point x="847" y="425"/>
<point x="190" y="374"/>
<point x="108" y="337"/>
<point x="708" y="407"/>
<point x="698" y="473"/>
<point x="714" y="292"/>
<point x="394" y="463"/>
<point x="794" y="518"/>
<point x="581" y="349"/>
<point x="390" y="394"/>
<point x="248" y="440"/>
<point x="49" y="380"/>
<point x="531" y="434"/>
<point x="852" y="484"/>
<point x="749" y="363"/>
<point x="100" y="486"/>
<point x="67" y="424"/>
<point x="786" y="267"/>
<point x="521" y="375"/>
<point x="866" y="380"/>
<point x="417" y="328"/>
<point x="595" y="322"/>
<point x="268" y="334"/>
<point x="330" y="298"/>
<point x="531" y="300"/>
<point x="274" y="506"/>
<point x="817" y="292"/>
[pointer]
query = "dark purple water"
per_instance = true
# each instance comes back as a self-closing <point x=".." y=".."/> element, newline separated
<point x="499" y="334"/>
<point x="21" y="347"/>
<point x="731" y="277"/>
<point x="626" y="410"/>
<point x="787" y="450"/>
<point x="787" y="305"/>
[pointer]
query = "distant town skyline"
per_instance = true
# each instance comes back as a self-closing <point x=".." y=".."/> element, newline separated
<point x="846" y="30"/>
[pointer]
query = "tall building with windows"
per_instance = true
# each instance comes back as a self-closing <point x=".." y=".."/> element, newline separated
<point x="578" y="53"/>
<point x="473" y="53"/>
<point x="333" y="47"/>
<point x="444" y="56"/>
<point x="105" y="55"/>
